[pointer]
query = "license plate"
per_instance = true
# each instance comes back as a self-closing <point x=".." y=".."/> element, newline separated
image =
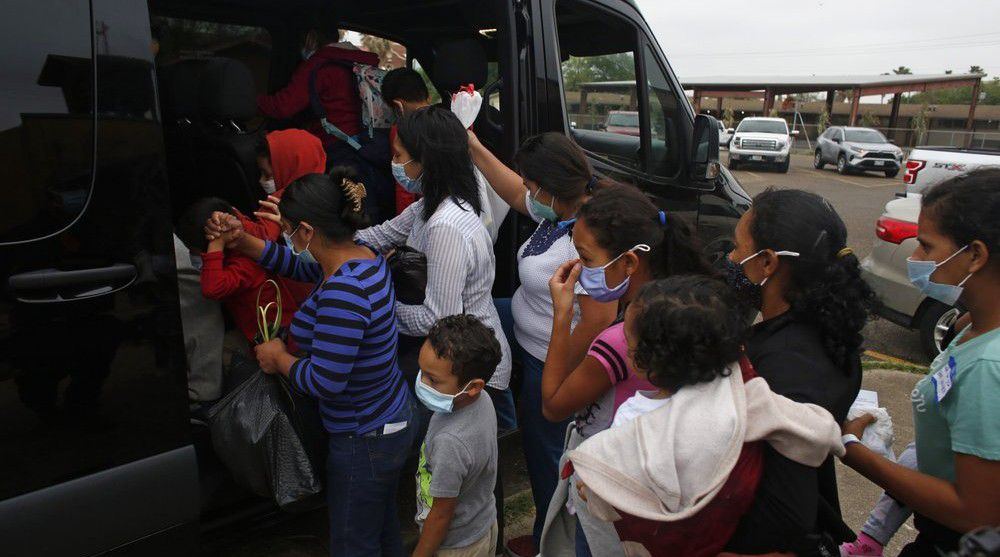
<point x="757" y="158"/>
<point x="879" y="163"/>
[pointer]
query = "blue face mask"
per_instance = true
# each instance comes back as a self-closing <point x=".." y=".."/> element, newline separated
<point x="411" y="185"/>
<point x="304" y="256"/>
<point x="920" y="275"/>
<point x="307" y="53"/>
<point x="432" y="399"/>
<point x="594" y="281"/>
<point x="540" y="211"/>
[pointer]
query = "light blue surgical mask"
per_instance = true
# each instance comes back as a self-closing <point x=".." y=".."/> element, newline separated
<point x="594" y="280"/>
<point x="920" y="275"/>
<point x="540" y="211"/>
<point x="436" y="401"/>
<point x="305" y="256"/>
<point x="411" y="185"/>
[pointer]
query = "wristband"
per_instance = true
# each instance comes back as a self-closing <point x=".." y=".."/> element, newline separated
<point x="849" y="438"/>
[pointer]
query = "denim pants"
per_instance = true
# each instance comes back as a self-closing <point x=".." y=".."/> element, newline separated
<point x="362" y="475"/>
<point x="888" y="514"/>
<point x="504" y="404"/>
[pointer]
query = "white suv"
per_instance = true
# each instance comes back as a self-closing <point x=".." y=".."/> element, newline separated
<point x="761" y="140"/>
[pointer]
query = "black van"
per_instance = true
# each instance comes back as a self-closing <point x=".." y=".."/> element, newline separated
<point x="103" y="137"/>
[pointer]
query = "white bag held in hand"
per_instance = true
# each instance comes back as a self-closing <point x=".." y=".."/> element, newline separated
<point x="877" y="436"/>
<point x="466" y="104"/>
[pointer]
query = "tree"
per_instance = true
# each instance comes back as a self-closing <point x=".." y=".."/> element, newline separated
<point x="870" y="120"/>
<point x="823" y="121"/>
<point x="608" y="67"/>
<point x="920" y="123"/>
<point x="947" y="72"/>
<point x="902" y="70"/>
<point x="728" y="117"/>
<point x="976" y="69"/>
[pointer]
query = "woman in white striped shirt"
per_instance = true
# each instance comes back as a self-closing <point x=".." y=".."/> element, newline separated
<point x="431" y="157"/>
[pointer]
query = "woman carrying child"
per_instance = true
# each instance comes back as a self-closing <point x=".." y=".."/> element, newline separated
<point x="624" y="242"/>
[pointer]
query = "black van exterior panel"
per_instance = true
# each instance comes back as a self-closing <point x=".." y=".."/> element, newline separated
<point x="90" y="515"/>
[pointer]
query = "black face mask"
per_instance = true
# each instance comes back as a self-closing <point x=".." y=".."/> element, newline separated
<point x="747" y="291"/>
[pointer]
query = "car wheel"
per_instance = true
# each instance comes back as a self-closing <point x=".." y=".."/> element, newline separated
<point x="891" y="173"/>
<point x="733" y="164"/>
<point x="818" y="160"/>
<point x="934" y="324"/>
<point x="842" y="164"/>
<point x="783" y="167"/>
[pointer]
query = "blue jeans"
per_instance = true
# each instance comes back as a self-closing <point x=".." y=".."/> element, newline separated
<point x="362" y="480"/>
<point x="504" y="403"/>
<point x="541" y="439"/>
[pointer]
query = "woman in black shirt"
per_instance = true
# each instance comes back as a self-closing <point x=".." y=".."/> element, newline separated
<point x="791" y="262"/>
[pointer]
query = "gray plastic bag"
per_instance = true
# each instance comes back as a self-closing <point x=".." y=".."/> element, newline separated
<point x="254" y="433"/>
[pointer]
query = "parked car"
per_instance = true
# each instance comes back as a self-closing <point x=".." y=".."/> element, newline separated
<point x="102" y="145"/>
<point x="857" y="150"/>
<point x="885" y="271"/>
<point x="625" y="122"/>
<point x="763" y="141"/>
<point x="725" y="135"/>
<point x="928" y="166"/>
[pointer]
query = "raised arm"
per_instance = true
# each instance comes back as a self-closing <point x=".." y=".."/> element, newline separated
<point x="568" y="388"/>
<point x="508" y="184"/>
<point x="391" y="233"/>
<point x="448" y="265"/>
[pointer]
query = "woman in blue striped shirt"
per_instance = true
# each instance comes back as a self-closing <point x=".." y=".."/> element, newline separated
<point x="347" y="331"/>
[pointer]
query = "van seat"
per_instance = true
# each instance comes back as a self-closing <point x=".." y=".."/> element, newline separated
<point x="458" y="63"/>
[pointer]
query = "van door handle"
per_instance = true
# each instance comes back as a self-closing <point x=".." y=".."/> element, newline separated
<point x="46" y="286"/>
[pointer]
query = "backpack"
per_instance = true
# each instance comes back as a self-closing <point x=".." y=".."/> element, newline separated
<point x="375" y="114"/>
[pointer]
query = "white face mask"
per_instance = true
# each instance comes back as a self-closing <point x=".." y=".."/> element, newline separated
<point x="268" y="186"/>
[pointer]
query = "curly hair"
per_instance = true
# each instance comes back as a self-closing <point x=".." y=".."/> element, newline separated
<point x="826" y="290"/>
<point x="688" y="329"/>
<point x="621" y="216"/>
<point x="966" y="208"/>
<point x="470" y="346"/>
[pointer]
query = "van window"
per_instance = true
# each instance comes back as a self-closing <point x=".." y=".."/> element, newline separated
<point x="599" y="82"/>
<point x="186" y="38"/>
<point x="46" y="116"/>
<point x="663" y="115"/>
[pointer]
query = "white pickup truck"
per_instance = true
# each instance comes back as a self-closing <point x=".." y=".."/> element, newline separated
<point x="929" y="166"/>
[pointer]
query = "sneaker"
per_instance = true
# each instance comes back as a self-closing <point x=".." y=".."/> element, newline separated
<point x="864" y="546"/>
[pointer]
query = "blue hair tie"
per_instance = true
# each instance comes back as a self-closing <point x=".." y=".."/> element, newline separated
<point x="663" y="218"/>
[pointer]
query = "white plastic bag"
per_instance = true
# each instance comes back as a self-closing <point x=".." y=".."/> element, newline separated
<point x="877" y="436"/>
<point x="466" y="104"/>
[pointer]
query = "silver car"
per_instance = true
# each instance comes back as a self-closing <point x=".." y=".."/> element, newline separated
<point x="885" y="271"/>
<point x="857" y="150"/>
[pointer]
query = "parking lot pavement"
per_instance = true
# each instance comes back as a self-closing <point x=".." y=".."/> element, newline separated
<point x="860" y="199"/>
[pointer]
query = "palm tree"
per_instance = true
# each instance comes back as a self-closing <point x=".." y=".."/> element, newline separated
<point x="902" y="70"/>
<point x="976" y="69"/>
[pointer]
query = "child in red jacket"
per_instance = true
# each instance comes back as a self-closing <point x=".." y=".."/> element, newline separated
<point x="230" y="277"/>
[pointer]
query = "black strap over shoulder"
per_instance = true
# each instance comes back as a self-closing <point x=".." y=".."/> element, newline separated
<point x="314" y="101"/>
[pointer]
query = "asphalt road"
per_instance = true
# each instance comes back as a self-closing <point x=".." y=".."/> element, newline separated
<point x="860" y="199"/>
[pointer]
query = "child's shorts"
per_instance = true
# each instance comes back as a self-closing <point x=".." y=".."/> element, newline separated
<point x="485" y="547"/>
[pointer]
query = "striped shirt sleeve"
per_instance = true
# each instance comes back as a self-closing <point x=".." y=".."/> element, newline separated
<point x="391" y="233"/>
<point x="611" y="350"/>
<point x="448" y="268"/>
<point x="343" y="314"/>
<point x="279" y="259"/>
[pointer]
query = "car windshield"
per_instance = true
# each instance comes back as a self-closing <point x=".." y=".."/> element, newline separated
<point x="763" y="126"/>
<point x="624" y="119"/>
<point x="864" y="136"/>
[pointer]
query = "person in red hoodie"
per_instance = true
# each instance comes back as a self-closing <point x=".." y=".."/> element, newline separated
<point x="335" y="85"/>
<point x="231" y="277"/>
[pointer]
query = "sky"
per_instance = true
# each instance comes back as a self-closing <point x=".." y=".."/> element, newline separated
<point x="825" y="37"/>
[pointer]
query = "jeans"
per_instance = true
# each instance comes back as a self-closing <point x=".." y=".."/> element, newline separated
<point x="504" y="404"/>
<point x="541" y="439"/>
<point x="362" y="475"/>
<point x="888" y="514"/>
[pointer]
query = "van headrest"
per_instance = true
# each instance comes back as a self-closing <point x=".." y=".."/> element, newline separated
<point x="227" y="90"/>
<point x="460" y="62"/>
<point x="179" y="94"/>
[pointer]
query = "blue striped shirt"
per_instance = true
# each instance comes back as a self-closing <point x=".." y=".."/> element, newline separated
<point x="347" y="328"/>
